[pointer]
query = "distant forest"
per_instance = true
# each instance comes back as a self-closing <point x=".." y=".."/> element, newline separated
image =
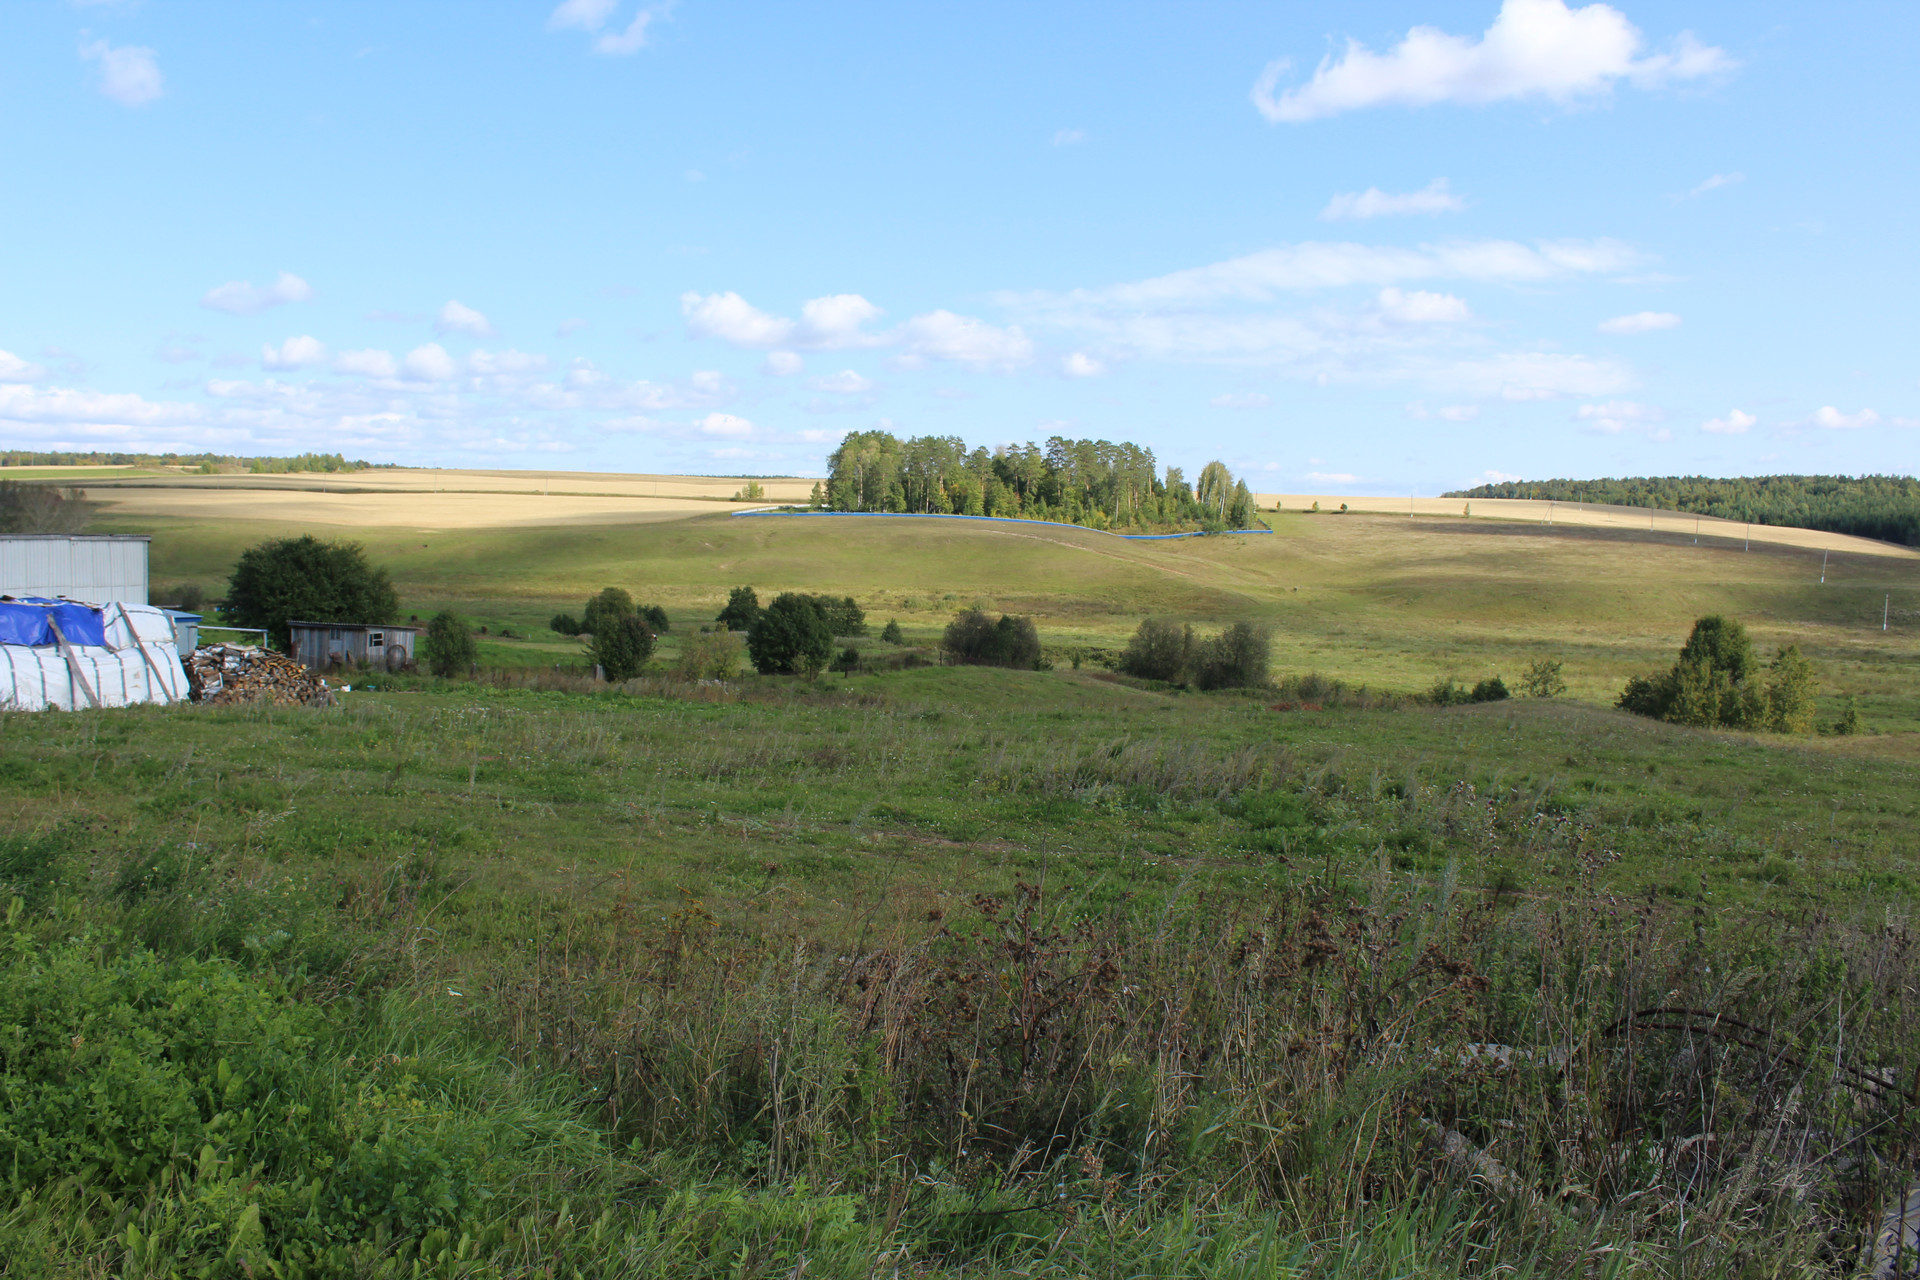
<point x="1085" y="482"/>
<point x="1884" y="507"/>
<point x="208" y="463"/>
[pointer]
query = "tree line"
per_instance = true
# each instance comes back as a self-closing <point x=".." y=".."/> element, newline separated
<point x="1095" y="483"/>
<point x="206" y="462"/>
<point x="1883" y="507"/>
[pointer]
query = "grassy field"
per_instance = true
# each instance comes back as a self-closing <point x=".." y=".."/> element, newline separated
<point x="955" y="971"/>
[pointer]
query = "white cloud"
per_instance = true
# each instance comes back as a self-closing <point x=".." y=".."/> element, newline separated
<point x="1534" y="49"/>
<point x="835" y="320"/>
<point x="731" y="318"/>
<point x="1641" y="322"/>
<point x="69" y="406"/>
<point x="1735" y="423"/>
<point x="129" y="75"/>
<point x="1068" y="137"/>
<point x="1501" y="477"/>
<point x="724" y="424"/>
<point x="14" y="369"/>
<point x="1332" y="477"/>
<point x="241" y="298"/>
<point x="1419" y="307"/>
<point x="584" y="15"/>
<point x="1834" y="420"/>
<point x="294" y="353"/>
<point x="1714" y="183"/>
<point x="1533" y="375"/>
<point x="782" y="364"/>
<point x="591" y="16"/>
<point x="456" y="317"/>
<point x="844" y="383"/>
<point x="1375" y="203"/>
<point x="570" y="327"/>
<point x="942" y="335"/>
<point x="1310" y="265"/>
<point x="1616" y="416"/>
<point x="1446" y="412"/>
<point x="1241" y="400"/>
<point x="1079" y="364"/>
<point x="370" y="363"/>
<point x="428" y="363"/>
<point x="508" y="363"/>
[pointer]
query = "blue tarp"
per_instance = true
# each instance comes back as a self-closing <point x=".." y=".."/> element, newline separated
<point x="24" y="620"/>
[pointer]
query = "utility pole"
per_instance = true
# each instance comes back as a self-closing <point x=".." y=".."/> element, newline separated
<point x="1886" y="604"/>
<point x="1749" y="545"/>
<point x="1823" y="566"/>
<point x="1696" y="530"/>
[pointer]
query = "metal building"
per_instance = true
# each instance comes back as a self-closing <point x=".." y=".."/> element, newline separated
<point x="97" y="568"/>
<point x="319" y="645"/>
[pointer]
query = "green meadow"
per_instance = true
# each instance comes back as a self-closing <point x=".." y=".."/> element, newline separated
<point x="941" y="971"/>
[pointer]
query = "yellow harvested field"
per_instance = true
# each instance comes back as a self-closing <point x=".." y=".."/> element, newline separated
<point x="1593" y="514"/>
<point x="422" y="499"/>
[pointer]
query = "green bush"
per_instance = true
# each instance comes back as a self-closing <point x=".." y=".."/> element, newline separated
<point x="307" y="580"/>
<point x="1543" y="679"/>
<point x="621" y="646"/>
<point x="790" y="637"/>
<point x="565" y="624"/>
<point x="1492" y="689"/>
<point x="848" y="661"/>
<point x="743" y="608"/>
<point x="656" y="619"/>
<point x="972" y="639"/>
<point x="1235" y="659"/>
<point x="1849" y="722"/>
<point x="1158" y="650"/>
<point x="1717" y="683"/>
<point x="891" y="633"/>
<point x="604" y="609"/>
<point x="710" y="656"/>
<point x="451" y="648"/>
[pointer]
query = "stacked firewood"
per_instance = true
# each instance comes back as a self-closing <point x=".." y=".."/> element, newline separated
<point x="223" y="673"/>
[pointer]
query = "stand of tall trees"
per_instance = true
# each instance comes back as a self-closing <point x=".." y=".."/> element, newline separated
<point x="1088" y="482"/>
<point x="1884" y="507"/>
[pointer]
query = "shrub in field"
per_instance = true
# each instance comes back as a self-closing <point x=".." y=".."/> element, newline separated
<point x="622" y="646"/>
<point x="656" y="619"/>
<point x="715" y="655"/>
<point x="565" y="624"/>
<point x="891" y="633"/>
<point x="1492" y="689"/>
<point x="1849" y="722"/>
<point x="189" y="597"/>
<point x="848" y="661"/>
<point x="603" y="609"/>
<point x="1543" y="679"/>
<point x="1158" y="650"/>
<point x="972" y="639"/>
<point x="743" y="607"/>
<point x="451" y="648"/>
<point x="1234" y="659"/>
<point x="309" y="580"/>
<point x="790" y="637"/>
<point x="1718" y="683"/>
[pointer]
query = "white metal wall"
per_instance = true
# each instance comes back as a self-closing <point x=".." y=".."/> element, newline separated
<point x="91" y="567"/>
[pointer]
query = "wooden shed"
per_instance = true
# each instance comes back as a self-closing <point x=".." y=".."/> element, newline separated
<point x="320" y="645"/>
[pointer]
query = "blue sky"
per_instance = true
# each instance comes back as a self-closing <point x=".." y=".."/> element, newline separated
<point x="1389" y="247"/>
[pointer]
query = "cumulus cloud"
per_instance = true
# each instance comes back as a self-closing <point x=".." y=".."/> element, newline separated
<point x="508" y="363"/>
<point x="109" y="413"/>
<point x="14" y="369"/>
<point x="456" y="317"/>
<point x="825" y="323"/>
<point x="1079" y="364"/>
<point x="1446" y="412"/>
<point x="242" y="298"/>
<point x="294" y="353"/>
<point x="130" y="74"/>
<point x="428" y="363"/>
<point x="724" y="424"/>
<point x="1375" y="203"/>
<point x="1241" y="400"/>
<point x="1641" y="322"/>
<point x="568" y="328"/>
<point x="1332" y="477"/>
<point x="844" y="383"/>
<point x="1534" y="49"/>
<point x="1735" y="423"/>
<point x="1616" y="416"/>
<point x="1834" y="420"/>
<point x="1533" y="375"/>
<point x="782" y="364"/>
<point x="582" y="15"/>
<point x="370" y="363"/>
<point x="942" y="335"/>
<point x="1397" y="307"/>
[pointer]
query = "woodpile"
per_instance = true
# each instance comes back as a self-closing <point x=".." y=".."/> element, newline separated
<point x="228" y="673"/>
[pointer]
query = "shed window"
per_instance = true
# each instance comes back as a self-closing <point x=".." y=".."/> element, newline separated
<point x="376" y="639"/>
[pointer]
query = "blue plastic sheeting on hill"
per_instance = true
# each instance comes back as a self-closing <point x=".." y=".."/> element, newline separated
<point x="27" y="621"/>
<point x="1052" y="524"/>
